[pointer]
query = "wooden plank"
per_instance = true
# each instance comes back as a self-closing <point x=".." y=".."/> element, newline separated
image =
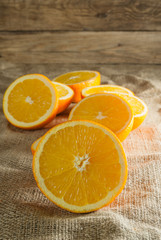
<point x="91" y="15"/>
<point x="82" y="47"/>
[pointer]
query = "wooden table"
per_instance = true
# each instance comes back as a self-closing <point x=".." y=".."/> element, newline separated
<point x="53" y="37"/>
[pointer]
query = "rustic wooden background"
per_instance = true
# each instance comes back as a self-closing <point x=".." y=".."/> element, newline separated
<point x="56" y="36"/>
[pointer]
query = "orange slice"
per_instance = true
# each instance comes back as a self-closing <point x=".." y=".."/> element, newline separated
<point x="65" y="94"/>
<point x="105" y="89"/>
<point x="80" y="166"/>
<point x="34" y="145"/>
<point x="110" y="110"/>
<point x="30" y="102"/>
<point x="139" y="109"/>
<point x="78" y="81"/>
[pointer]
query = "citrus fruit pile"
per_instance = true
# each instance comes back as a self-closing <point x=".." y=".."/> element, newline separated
<point x="80" y="164"/>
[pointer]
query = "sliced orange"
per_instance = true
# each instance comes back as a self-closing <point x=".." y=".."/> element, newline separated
<point x="34" y="145"/>
<point x="65" y="94"/>
<point x="80" y="166"/>
<point x="79" y="80"/>
<point x="105" y="89"/>
<point x="110" y="110"/>
<point x="30" y="102"/>
<point x="139" y="108"/>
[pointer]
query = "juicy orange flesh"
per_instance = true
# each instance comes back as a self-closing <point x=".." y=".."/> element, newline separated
<point x="80" y="165"/>
<point x="61" y="90"/>
<point x="106" y="110"/>
<point x="105" y="89"/>
<point x="29" y="100"/>
<point x="75" y="77"/>
<point x="136" y="105"/>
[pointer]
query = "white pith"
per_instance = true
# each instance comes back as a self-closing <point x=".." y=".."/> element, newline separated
<point x="100" y="116"/>
<point x="29" y="100"/>
<point x="73" y="77"/>
<point x="81" y="162"/>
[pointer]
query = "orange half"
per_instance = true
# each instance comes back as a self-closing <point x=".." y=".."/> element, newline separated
<point x="80" y="166"/>
<point x="110" y="110"/>
<point x="30" y="102"/>
<point x="65" y="94"/>
<point x="139" y="108"/>
<point x="105" y="89"/>
<point x="79" y="80"/>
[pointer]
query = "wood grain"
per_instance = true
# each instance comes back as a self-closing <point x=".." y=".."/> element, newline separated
<point x="91" y="15"/>
<point x="82" y="47"/>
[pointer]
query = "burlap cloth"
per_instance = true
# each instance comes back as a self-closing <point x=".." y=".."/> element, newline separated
<point x="25" y="213"/>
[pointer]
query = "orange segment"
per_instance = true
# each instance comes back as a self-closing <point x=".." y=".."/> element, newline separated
<point x="30" y="102"/>
<point x="105" y="89"/>
<point x="139" y="108"/>
<point x="107" y="109"/>
<point x="73" y="172"/>
<point x="65" y="94"/>
<point x="34" y="145"/>
<point x="78" y="81"/>
<point x="62" y="89"/>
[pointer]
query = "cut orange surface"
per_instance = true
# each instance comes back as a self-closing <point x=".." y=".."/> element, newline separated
<point x="139" y="108"/>
<point x="105" y="89"/>
<point x="30" y="102"/>
<point x="80" y="166"/>
<point x="79" y="80"/>
<point x="110" y="110"/>
<point x="65" y="94"/>
<point x="34" y="145"/>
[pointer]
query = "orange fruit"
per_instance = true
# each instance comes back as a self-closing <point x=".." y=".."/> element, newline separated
<point x="105" y="89"/>
<point x="80" y="166"/>
<point x="34" y="145"/>
<point x="65" y="94"/>
<point x="30" y="102"/>
<point x="110" y="110"/>
<point x="139" y="109"/>
<point x="79" y="80"/>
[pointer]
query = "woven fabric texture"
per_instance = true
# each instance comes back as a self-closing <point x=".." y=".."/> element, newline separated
<point x="25" y="213"/>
